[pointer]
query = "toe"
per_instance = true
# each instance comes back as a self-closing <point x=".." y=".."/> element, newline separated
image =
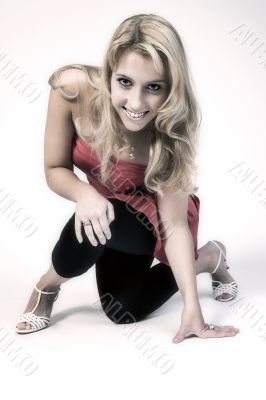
<point x="21" y="325"/>
<point x="224" y="296"/>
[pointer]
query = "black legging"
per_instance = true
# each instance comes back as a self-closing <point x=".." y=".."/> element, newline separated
<point x="129" y="288"/>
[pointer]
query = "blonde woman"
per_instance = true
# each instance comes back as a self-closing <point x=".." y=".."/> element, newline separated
<point x="131" y="126"/>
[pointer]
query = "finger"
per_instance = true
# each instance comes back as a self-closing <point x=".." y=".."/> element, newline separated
<point x="178" y="339"/>
<point x="110" y="212"/>
<point x="220" y="334"/>
<point x="216" y="334"/>
<point x="78" y="229"/>
<point x="89" y="233"/>
<point x="105" y="226"/>
<point x="229" y="331"/>
<point x="181" y="335"/>
<point x="98" y="230"/>
<point x="226" y="328"/>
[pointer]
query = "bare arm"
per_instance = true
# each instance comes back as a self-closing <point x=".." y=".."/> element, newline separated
<point x="180" y="254"/>
<point x="178" y="244"/>
<point x="58" y="165"/>
<point x="66" y="183"/>
<point x="59" y="132"/>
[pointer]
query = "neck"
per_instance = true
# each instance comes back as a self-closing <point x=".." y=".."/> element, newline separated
<point x="139" y="136"/>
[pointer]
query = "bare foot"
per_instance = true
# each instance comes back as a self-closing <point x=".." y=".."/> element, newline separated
<point x="45" y="306"/>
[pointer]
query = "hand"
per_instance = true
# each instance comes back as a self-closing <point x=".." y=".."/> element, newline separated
<point x="192" y="323"/>
<point x="93" y="207"/>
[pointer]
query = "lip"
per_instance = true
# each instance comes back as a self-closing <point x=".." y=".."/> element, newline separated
<point x="135" y="120"/>
<point x="133" y="112"/>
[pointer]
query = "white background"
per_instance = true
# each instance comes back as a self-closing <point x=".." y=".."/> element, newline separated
<point x="83" y="353"/>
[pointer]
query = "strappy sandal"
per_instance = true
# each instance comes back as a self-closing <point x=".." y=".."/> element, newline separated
<point x="37" y="322"/>
<point x="220" y="288"/>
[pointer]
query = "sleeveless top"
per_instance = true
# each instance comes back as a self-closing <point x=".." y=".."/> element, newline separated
<point x="126" y="183"/>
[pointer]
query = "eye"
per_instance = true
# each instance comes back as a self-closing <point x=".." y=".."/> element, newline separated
<point x="122" y="79"/>
<point x="153" y="87"/>
<point x="155" y="84"/>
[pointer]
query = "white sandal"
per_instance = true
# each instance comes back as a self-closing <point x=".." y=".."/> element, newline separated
<point x="37" y="322"/>
<point x="220" y="288"/>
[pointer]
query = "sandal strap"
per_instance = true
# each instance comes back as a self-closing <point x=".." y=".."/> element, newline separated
<point x="220" y="255"/>
<point x="41" y="291"/>
<point x="222" y="288"/>
<point x="219" y="247"/>
<point x="36" y="321"/>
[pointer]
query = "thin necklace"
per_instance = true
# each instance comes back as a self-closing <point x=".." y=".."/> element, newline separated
<point x="131" y="153"/>
<point x="131" y="150"/>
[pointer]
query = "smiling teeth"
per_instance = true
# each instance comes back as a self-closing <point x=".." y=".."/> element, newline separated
<point x="134" y="115"/>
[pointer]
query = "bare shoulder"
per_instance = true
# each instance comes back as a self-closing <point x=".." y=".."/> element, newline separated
<point x="74" y="81"/>
<point x="76" y="84"/>
<point x="68" y="85"/>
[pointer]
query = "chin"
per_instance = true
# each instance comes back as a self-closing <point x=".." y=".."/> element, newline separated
<point x="135" y="129"/>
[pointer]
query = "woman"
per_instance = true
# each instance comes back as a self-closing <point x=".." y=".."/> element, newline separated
<point x="131" y="127"/>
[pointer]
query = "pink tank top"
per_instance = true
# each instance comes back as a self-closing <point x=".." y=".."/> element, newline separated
<point x="126" y="183"/>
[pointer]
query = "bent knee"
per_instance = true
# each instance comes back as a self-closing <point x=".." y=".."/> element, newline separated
<point x="117" y="310"/>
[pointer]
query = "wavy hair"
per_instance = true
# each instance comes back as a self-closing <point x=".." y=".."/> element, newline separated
<point x="173" y="144"/>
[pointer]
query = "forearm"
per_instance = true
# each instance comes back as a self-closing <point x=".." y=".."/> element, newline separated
<point x="179" y="250"/>
<point x="65" y="183"/>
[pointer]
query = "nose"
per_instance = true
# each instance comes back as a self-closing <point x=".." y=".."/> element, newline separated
<point x="135" y="101"/>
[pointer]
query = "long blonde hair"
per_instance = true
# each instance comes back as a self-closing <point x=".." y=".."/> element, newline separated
<point x="173" y="144"/>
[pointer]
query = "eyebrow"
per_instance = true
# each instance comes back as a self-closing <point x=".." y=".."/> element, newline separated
<point x="127" y="77"/>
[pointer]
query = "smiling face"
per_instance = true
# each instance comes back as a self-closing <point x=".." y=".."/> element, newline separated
<point x="137" y="91"/>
